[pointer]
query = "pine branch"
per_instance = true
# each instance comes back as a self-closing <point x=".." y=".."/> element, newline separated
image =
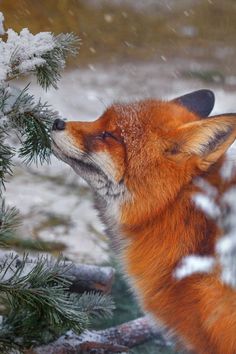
<point x="39" y="294"/>
<point x="9" y="221"/>
<point x="95" y="305"/>
<point x="32" y="123"/>
<point x="83" y="277"/>
<point x="4" y="97"/>
<point x="6" y="154"/>
<point x="6" y="151"/>
<point x="49" y="73"/>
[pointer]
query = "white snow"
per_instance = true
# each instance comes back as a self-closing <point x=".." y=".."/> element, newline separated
<point x="205" y="200"/>
<point x="226" y="249"/>
<point x="21" y="53"/>
<point x="229" y="166"/>
<point x="226" y="246"/>
<point x="206" y="204"/>
<point x="194" y="264"/>
<point x="30" y="64"/>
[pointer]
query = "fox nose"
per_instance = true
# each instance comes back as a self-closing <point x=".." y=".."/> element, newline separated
<point x="58" y="124"/>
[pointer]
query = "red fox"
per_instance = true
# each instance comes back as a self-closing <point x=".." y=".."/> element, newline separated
<point x="141" y="160"/>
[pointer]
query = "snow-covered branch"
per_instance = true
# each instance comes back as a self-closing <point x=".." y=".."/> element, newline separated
<point x="22" y="53"/>
<point x="43" y="54"/>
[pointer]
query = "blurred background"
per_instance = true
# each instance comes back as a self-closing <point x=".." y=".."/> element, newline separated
<point x="130" y="49"/>
<point x="120" y="31"/>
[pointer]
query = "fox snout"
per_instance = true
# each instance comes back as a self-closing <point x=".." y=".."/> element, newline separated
<point x="85" y="147"/>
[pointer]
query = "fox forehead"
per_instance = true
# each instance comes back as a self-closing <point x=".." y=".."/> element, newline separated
<point x="154" y="114"/>
<point x="134" y="121"/>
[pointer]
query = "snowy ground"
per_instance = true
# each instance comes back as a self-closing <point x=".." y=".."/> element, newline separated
<point x="54" y="203"/>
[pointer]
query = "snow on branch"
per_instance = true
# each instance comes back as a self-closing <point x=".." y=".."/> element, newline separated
<point x="43" y="54"/>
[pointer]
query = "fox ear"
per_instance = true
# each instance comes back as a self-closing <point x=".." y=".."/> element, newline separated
<point x="200" y="102"/>
<point x="206" y="139"/>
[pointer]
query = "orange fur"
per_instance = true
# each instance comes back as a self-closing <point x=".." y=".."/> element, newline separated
<point x="161" y="147"/>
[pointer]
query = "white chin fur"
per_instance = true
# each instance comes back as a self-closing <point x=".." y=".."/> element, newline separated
<point x="64" y="144"/>
<point x="96" y="168"/>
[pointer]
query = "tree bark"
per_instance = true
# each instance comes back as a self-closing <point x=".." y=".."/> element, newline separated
<point x="90" y="277"/>
<point x="117" y="339"/>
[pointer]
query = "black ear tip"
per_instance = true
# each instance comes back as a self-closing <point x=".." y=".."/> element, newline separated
<point x="200" y="102"/>
<point x="208" y="94"/>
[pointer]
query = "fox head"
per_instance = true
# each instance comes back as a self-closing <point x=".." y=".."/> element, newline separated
<point x="147" y="150"/>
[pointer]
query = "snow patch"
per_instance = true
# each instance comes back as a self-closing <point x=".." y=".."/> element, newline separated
<point x="205" y="200"/>
<point x="194" y="264"/>
<point x="229" y="166"/>
<point x="226" y="248"/>
<point x="207" y="205"/>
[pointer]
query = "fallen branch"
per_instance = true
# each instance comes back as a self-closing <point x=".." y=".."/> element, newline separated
<point x="112" y="340"/>
<point x="90" y="277"/>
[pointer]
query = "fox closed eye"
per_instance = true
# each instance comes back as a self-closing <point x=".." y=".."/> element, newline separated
<point x="105" y="135"/>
